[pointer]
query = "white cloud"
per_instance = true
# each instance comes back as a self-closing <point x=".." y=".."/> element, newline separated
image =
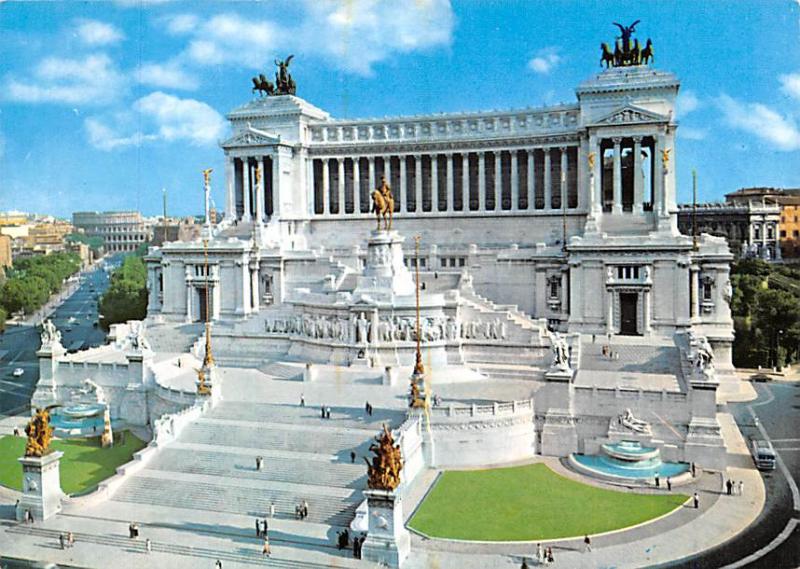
<point x="360" y="33"/>
<point x="93" y="79"/>
<point x="692" y="133"/>
<point x="545" y="61"/>
<point x="157" y="116"/>
<point x="168" y="75"/>
<point x="94" y="33"/>
<point x="686" y="103"/>
<point x="181" y="23"/>
<point x="229" y="38"/>
<point x="790" y="84"/>
<point x="761" y="121"/>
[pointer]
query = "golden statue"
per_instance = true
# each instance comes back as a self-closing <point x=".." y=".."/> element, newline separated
<point x="203" y="388"/>
<point x="384" y="472"/>
<point x="665" y="158"/>
<point x="39" y="433"/>
<point x="258" y="174"/>
<point x="383" y="204"/>
<point x="591" y="158"/>
<point x="207" y="176"/>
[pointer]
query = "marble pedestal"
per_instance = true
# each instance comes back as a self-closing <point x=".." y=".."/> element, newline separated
<point x="559" y="434"/>
<point x="41" y="486"/>
<point x="388" y="541"/>
<point x="385" y="275"/>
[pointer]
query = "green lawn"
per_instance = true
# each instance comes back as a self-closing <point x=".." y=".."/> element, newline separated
<point x="84" y="464"/>
<point x="529" y="503"/>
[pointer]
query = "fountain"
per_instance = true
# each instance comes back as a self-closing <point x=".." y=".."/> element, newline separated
<point x="628" y="461"/>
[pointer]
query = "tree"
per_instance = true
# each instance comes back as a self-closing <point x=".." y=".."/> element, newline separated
<point x="26" y="294"/>
<point x="777" y="313"/>
<point x="3" y="318"/>
<point x="126" y="297"/>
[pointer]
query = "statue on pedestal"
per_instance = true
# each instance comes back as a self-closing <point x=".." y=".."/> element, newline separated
<point x="383" y="204"/>
<point x="39" y="433"/>
<point x="560" y="351"/>
<point x="384" y="471"/>
<point x="50" y="334"/>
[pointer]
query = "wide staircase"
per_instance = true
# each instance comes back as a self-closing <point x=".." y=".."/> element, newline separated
<point x="212" y="467"/>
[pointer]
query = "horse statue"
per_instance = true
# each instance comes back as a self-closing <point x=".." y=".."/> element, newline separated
<point x="284" y="84"/>
<point x="383" y="205"/>
<point x="263" y="85"/>
<point x="607" y="56"/>
<point x="647" y="53"/>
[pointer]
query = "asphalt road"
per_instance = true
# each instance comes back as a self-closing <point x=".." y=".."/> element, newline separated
<point x="777" y="410"/>
<point x="74" y="318"/>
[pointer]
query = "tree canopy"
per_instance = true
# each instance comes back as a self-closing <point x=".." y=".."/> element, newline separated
<point x="126" y="297"/>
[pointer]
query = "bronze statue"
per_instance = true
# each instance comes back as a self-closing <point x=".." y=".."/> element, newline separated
<point x="626" y="52"/>
<point x="202" y="387"/>
<point x="207" y="176"/>
<point x="284" y="84"/>
<point x="590" y="159"/>
<point x="263" y="85"/>
<point x="384" y="471"/>
<point x="383" y="204"/>
<point x="39" y="433"/>
<point x="665" y="158"/>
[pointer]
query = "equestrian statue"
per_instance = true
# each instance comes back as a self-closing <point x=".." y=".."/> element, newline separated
<point x="627" y="52"/>
<point x="284" y="83"/>
<point x="383" y="205"/>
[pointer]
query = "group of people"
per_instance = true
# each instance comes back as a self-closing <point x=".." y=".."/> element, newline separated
<point x="734" y="488"/>
<point x="262" y="527"/>
<point x="543" y="555"/>
<point x="259" y="462"/>
<point x="325" y="412"/>
<point x="301" y="510"/>
<point x="609" y="353"/>
<point x="66" y="540"/>
<point x="368" y="408"/>
<point x="343" y="542"/>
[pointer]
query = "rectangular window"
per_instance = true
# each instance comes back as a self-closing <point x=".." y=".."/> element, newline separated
<point x="443" y="262"/>
<point x="783" y="233"/>
<point x="462" y="261"/>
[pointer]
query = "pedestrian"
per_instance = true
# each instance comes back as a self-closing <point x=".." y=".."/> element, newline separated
<point x="266" y="526"/>
<point x="741" y="488"/>
<point x="694" y="470"/>
<point x="305" y="509"/>
<point x="658" y="481"/>
<point x="148" y="546"/>
<point x="70" y="539"/>
<point x="669" y="484"/>
<point x="322" y="409"/>
<point x="594" y="338"/>
<point x="28" y="517"/>
<point x="587" y="542"/>
<point x="258" y="528"/>
<point x="258" y="463"/>
<point x="539" y="553"/>
<point x="16" y="431"/>
<point x="729" y="486"/>
<point x="61" y="541"/>
<point x="550" y="558"/>
<point x="352" y="457"/>
<point x="272" y="509"/>
<point x="218" y="564"/>
<point x="328" y="413"/>
<point x="356" y="547"/>
<point x="696" y="500"/>
<point x="302" y="400"/>
<point x="366" y="407"/>
<point x="265" y="550"/>
<point x="524" y="564"/>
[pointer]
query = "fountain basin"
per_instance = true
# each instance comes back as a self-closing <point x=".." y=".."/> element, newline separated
<point x="628" y="461"/>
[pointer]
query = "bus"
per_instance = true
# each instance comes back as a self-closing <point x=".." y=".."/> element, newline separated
<point x="763" y="454"/>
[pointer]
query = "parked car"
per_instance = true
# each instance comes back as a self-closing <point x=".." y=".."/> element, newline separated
<point x="18" y="372"/>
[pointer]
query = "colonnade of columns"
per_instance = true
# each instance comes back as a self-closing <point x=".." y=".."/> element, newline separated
<point x="475" y="182"/>
<point x="250" y="191"/>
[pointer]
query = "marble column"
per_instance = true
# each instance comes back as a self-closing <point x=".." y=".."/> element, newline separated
<point x="340" y="185"/>
<point x="387" y="169"/>
<point x="259" y="190"/>
<point x="609" y="311"/>
<point x="646" y="311"/>
<point x="189" y="294"/>
<point x="326" y="186"/>
<point x="254" y="289"/>
<point x="372" y="182"/>
<point x="403" y="190"/>
<point x="498" y="181"/>
<point x="481" y="181"/>
<point x="564" y="166"/>
<point x="548" y="185"/>
<point x="230" y="179"/>
<point x="434" y="182"/>
<point x="695" y="292"/>
<point x="531" y="180"/>
<point x="246" y="188"/>
<point x="598" y="177"/>
<point x="450" y="184"/>
<point x="465" y="197"/>
<point x="638" y="179"/>
<point x="514" y="180"/>
<point x="617" y="207"/>
<point x="356" y="185"/>
<point x="418" y="183"/>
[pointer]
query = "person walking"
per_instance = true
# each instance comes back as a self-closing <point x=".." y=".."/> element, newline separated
<point x="524" y="564"/>
<point x="148" y="546"/>
<point x="272" y="509"/>
<point x="658" y="481"/>
<point x="266" y="550"/>
<point x="61" y="541"/>
<point x="259" y="462"/>
<point x="352" y="457"/>
<point x="265" y="526"/>
<point x="322" y="409"/>
<point x="729" y="486"/>
<point x="258" y="528"/>
<point x="694" y="470"/>
<point x="696" y="500"/>
<point x="218" y="564"/>
<point x="302" y="400"/>
<point x="70" y="539"/>
<point x="587" y="543"/>
<point x="539" y="554"/>
<point x="328" y="413"/>
<point x="741" y="488"/>
<point x="550" y="558"/>
<point x="669" y="484"/>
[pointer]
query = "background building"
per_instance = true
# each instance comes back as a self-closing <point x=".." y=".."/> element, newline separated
<point x="122" y="231"/>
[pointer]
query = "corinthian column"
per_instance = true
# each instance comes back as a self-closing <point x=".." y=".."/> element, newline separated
<point x="356" y="185"/>
<point x="403" y="190"/>
<point x="246" y="188"/>
<point x="326" y="186"/>
<point x="617" y="207"/>
<point x="548" y="185"/>
<point x="481" y="181"/>
<point x="514" y="180"/>
<point x="450" y="190"/>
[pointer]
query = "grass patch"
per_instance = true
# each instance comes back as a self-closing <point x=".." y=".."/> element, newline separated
<point x="84" y="464"/>
<point x="529" y="503"/>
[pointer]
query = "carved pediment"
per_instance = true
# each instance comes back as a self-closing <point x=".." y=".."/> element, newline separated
<point x="251" y="137"/>
<point x="630" y="114"/>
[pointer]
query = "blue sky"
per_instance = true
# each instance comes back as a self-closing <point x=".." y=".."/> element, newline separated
<point x="104" y="103"/>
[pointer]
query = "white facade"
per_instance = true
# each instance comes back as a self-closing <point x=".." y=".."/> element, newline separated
<point x="568" y="212"/>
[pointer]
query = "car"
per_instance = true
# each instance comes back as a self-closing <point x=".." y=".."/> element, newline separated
<point x="18" y="372"/>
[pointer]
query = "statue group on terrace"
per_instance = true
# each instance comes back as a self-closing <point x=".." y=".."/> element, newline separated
<point x="383" y="473"/>
<point x="626" y="52"/>
<point x="284" y="83"/>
